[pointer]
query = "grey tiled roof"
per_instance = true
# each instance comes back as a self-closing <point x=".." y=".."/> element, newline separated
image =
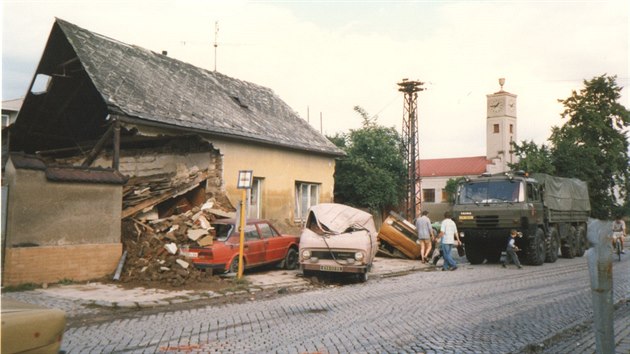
<point x="139" y="83"/>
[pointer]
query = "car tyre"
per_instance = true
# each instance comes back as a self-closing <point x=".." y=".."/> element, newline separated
<point x="234" y="265"/>
<point x="291" y="259"/>
<point x="363" y="277"/>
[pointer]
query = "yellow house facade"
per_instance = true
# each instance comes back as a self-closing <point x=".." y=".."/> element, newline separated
<point x="285" y="182"/>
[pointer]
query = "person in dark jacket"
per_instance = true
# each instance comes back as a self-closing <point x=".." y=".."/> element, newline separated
<point x="511" y="250"/>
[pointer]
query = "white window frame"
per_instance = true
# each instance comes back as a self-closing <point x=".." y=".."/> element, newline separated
<point x="254" y="195"/>
<point x="312" y="194"/>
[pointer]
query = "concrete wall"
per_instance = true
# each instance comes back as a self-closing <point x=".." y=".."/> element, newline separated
<point x="48" y="213"/>
<point x="280" y="169"/>
<point x="72" y="230"/>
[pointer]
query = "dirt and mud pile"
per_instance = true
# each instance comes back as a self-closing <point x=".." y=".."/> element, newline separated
<point x="152" y="245"/>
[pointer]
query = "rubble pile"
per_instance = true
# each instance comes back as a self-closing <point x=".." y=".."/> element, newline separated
<point x="153" y="245"/>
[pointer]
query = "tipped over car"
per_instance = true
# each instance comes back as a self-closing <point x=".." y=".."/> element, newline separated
<point x="338" y="239"/>
<point x="263" y="245"/>
<point x="28" y="328"/>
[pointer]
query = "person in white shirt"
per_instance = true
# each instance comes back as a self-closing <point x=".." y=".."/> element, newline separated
<point x="448" y="235"/>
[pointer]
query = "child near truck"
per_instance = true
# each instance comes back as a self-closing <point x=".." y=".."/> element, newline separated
<point x="511" y="250"/>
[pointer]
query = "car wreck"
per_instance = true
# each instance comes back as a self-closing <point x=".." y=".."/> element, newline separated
<point x="264" y="244"/>
<point x="338" y="239"/>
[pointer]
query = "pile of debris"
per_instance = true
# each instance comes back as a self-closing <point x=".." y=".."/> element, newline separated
<point x="152" y="245"/>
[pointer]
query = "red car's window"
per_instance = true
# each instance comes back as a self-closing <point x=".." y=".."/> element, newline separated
<point x="267" y="231"/>
<point x="222" y="231"/>
<point x="251" y="233"/>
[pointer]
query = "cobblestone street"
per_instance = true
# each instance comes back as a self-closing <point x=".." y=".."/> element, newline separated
<point x="476" y="309"/>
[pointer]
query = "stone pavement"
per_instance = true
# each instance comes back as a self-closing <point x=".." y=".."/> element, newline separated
<point x="80" y="299"/>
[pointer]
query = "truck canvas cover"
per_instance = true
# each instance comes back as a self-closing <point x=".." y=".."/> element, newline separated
<point x="564" y="194"/>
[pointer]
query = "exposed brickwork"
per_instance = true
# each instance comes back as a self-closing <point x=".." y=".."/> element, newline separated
<point x="54" y="263"/>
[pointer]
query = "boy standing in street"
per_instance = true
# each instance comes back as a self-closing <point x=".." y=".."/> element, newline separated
<point x="511" y="250"/>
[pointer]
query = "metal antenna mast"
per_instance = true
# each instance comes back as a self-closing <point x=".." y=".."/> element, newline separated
<point x="216" y="34"/>
<point x="410" y="145"/>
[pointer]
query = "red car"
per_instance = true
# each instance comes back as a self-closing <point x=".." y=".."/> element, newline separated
<point x="263" y="245"/>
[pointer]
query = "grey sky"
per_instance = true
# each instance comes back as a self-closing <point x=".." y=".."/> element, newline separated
<point x="328" y="56"/>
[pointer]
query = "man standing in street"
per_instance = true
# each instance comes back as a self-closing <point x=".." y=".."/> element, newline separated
<point x="425" y="233"/>
<point x="448" y="235"/>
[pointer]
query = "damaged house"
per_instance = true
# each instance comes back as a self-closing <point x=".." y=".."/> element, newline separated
<point x="110" y="131"/>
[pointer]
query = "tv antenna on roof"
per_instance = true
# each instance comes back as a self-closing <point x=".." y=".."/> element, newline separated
<point x="216" y="33"/>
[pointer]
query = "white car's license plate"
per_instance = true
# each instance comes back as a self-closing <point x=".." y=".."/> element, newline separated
<point x="330" y="268"/>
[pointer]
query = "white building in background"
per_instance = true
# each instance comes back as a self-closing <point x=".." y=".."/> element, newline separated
<point x="501" y="130"/>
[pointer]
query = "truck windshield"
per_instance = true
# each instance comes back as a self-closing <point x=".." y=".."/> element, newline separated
<point x="491" y="192"/>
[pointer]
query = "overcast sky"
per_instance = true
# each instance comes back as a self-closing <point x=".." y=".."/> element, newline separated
<point x="325" y="57"/>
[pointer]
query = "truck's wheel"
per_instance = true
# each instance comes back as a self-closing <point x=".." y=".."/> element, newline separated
<point x="535" y="254"/>
<point x="493" y="256"/>
<point x="553" y="245"/>
<point x="473" y="253"/>
<point x="582" y="240"/>
<point x="569" y="247"/>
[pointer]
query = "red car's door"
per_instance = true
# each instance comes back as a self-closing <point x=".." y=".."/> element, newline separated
<point x="276" y="245"/>
<point x="254" y="248"/>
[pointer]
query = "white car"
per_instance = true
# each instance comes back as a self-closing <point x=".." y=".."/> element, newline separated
<point x="338" y="239"/>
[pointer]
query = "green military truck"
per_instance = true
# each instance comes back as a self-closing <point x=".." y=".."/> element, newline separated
<point x="550" y="212"/>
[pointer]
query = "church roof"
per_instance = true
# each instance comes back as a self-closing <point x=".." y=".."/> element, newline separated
<point x="450" y="167"/>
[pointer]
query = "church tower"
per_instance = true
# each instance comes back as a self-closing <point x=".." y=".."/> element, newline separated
<point x="500" y="128"/>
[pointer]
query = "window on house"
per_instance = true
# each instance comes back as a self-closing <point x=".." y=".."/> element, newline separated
<point x="40" y="84"/>
<point x="5" y="120"/>
<point x="254" y="196"/>
<point x="444" y="196"/>
<point x="428" y="195"/>
<point x="496" y="128"/>
<point x="511" y="128"/>
<point x="306" y="195"/>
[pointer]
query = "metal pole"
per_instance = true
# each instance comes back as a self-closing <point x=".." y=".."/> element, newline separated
<point x="242" y="236"/>
<point x="600" y="269"/>
<point x="410" y="145"/>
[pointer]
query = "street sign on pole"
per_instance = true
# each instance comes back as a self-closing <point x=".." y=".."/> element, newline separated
<point x="244" y="183"/>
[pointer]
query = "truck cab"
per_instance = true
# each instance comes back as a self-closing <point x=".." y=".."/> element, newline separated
<point x="489" y="206"/>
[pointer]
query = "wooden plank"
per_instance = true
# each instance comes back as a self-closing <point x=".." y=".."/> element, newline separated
<point x="159" y="199"/>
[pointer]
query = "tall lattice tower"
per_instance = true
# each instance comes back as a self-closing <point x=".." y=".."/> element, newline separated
<point x="410" y="149"/>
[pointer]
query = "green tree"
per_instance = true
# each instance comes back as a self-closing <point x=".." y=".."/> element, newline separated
<point x="372" y="174"/>
<point x="532" y="158"/>
<point x="451" y="188"/>
<point x="593" y="145"/>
